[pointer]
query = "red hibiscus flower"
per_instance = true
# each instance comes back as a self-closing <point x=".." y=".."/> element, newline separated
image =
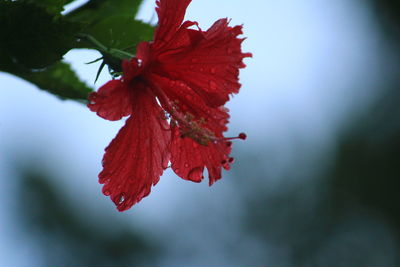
<point x="174" y="91"/>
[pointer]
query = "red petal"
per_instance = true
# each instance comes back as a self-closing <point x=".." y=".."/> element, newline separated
<point x="189" y="159"/>
<point x="182" y="99"/>
<point x="208" y="62"/>
<point x="170" y="17"/>
<point x="136" y="158"/>
<point x="112" y="101"/>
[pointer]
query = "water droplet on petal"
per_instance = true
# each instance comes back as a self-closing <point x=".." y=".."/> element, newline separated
<point x="231" y="160"/>
<point x="213" y="70"/>
<point x="165" y="162"/>
<point x="104" y="180"/>
<point x="213" y="85"/>
<point x="201" y="69"/>
<point x="177" y="133"/>
<point x="195" y="145"/>
<point x="186" y="165"/>
<point x="121" y="199"/>
<point x="225" y="165"/>
<point x="196" y="174"/>
<point x="106" y="192"/>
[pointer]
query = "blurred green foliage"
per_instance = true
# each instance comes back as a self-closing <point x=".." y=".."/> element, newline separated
<point x="388" y="13"/>
<point x="35" y="36"/>
<point x="71" y="238"/>
<point x="349" y="214"/>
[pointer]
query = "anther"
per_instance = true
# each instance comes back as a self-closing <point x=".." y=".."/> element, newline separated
<point x="242" y="136"/>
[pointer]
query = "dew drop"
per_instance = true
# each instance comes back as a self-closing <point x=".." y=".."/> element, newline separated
<point x="213" y="70"/>
<point x="195" y="145"/>
<point x="213" y="85"/>
<point x="201" y="69"/>
<point x="104" y="180"/>
<point x="177" y="133"/>
<point x="121" y="199"/>
<point x="229" y="144"/>
<point x="165" y="162"/>
<point x="196" y="174"/>
<point x="132" y="180"/>
<point x="186" y="165"/>
<point x="106" y="192"/>
<point x="225" y="164"/>
<point x="231" y="160"/>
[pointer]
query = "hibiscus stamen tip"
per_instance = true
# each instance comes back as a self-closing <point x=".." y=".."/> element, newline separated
<point x="242" y="136"/>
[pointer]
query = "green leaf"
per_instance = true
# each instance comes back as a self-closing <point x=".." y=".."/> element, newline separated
<point x="120" y="32"/>
<point x="59" y="80"/>
<point x="31" y="38"/>
<point x="96" y="10"/>
<point x="52" y="6"/>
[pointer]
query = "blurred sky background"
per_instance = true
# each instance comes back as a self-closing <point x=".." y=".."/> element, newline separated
<point x="318" y="67"/>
